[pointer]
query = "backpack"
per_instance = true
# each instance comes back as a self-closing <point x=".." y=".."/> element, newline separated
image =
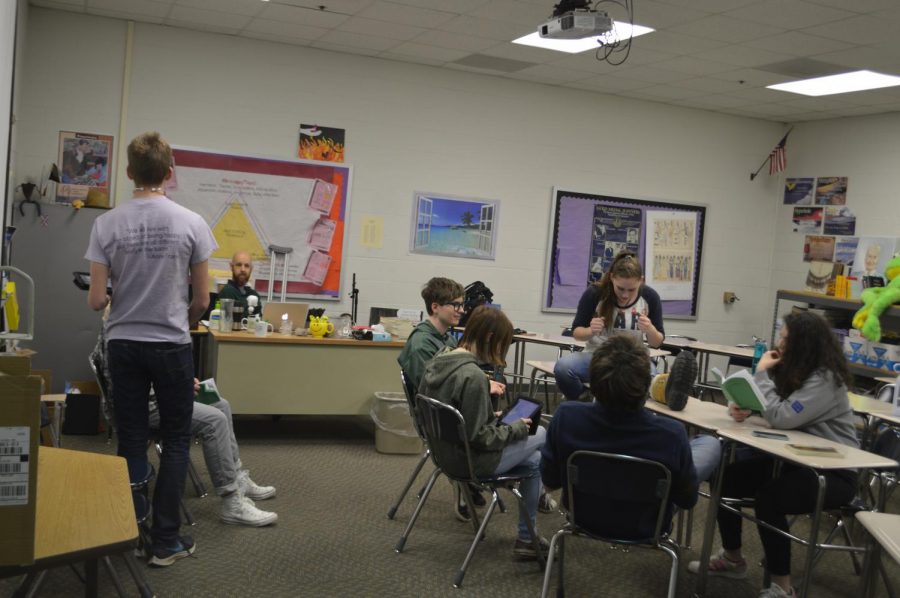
<point x="477" y="294"/>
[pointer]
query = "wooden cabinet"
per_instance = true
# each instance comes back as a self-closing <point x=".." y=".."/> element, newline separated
<point x="890" y="320"/>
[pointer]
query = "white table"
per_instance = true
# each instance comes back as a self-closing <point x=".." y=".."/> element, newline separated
<point x="884" y="534"/>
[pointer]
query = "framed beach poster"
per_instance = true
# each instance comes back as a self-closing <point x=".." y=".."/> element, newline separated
<point x="454" y="226"/>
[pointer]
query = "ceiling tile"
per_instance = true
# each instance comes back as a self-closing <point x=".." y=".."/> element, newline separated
<point x="675" y="43"/>
<point x="134" y="7"/>
<point x="141" y="18"/>
<point x="775" y="109"/>
<point x="652" y="75"/>
<point x="709" y="85"/>
<point x="413" y="58"/>
<point x="864" y="110"/>
<point x="865" y="57"/>
<point x="269" y="37"/>
<point x="752" y="77"/>
<point x="348" y="39"/>
<point x="544" y="73"/>
<point x="855" y="29"/>
<point x="519" y="52"/>
<point x="434" y="53"/>
<point x="492" y="29"/>
<point x="511" y="11"/>
<point x="406" y="15"/>
<point x="709" y="5"/>
<point x="240" y="7"/>
<point x="455" y="41"/>
<point x="669" y="92"/>
<point x="332" y="47"/>
<point x="302" y="16"/>
<point x="208" y="27"/>
<point x="608" y="83"/>
<point x="693" y="65"/>
<point x="281" y="29"/>
<point x="789" y="14"/>
<point x="715" y="101"/>
<point x="661" y="15"/>
<point x="758" y="94"/>
<point x="346" y="7"/>
<point x="820" y="103"/>
<point x="856" y="5"/>
<point x="207" y="18"/>
<point x="372" y="27"/>
<point x="743" y="56"/>
<point x="726" y="29"/>
<point x="455" y="6"/>
<point x="798" y="44"/>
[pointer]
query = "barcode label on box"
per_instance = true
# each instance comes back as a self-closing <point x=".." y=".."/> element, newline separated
<point x="15" y="445"/>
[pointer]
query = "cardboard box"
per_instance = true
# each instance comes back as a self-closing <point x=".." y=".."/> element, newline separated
<point x="856" y="348"/>
<point x="20" y="414"/>
<point x="885" y="356"/>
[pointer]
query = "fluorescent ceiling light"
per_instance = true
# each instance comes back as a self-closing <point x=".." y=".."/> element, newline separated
<point x="843" y="83"/>
<point x="621" y="31"/>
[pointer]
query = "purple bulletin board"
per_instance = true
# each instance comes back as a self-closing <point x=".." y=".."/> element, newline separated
<point x="587" y="231"/>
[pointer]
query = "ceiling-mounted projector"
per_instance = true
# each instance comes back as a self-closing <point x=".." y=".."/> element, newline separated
<point x="577" y="24"/>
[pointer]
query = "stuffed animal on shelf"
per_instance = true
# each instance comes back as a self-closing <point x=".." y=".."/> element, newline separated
<point x="877" y="300"/>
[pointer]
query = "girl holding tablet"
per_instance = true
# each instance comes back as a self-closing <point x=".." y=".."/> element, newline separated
<point x="454" y="377"/>
<point x="620" y="303"/>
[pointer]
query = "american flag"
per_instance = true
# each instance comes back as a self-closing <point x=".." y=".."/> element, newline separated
<point x="778" y="157"/>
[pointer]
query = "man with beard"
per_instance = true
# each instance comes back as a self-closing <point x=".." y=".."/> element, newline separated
<point x="237" y="289"/>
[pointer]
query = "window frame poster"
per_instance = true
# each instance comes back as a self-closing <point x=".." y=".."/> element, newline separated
<point x="254" y="202"/>
<point x="585" y="227"/>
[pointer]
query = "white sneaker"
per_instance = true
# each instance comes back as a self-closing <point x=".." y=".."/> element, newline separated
<point x="775" y="591"/>
<point x="250" y="488"/>
<point x="240" y="510"/>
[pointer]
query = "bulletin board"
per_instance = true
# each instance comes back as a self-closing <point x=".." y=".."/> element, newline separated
<point x="251" y="203"/>
<point x="587" y="231"/>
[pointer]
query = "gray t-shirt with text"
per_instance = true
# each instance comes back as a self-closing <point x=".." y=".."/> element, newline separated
<point x="149" y="245"/>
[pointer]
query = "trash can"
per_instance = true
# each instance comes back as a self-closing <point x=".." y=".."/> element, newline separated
<point x="395" y="433"/>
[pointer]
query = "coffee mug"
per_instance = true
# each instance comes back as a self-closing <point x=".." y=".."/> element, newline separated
<point x="263" y="328"/>
<point x="249" y="323"/>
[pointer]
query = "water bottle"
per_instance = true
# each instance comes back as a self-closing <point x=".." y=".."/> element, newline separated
<point x="758" y="351"/>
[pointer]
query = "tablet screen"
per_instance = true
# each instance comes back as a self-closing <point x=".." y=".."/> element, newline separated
<point x="522" y="408"/>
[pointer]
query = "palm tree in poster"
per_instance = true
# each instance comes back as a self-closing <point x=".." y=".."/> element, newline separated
<point x="467" y="218"/>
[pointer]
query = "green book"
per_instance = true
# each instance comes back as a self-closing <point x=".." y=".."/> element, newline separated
<point x="741" y="389"/>
<point x="209" y="392"/>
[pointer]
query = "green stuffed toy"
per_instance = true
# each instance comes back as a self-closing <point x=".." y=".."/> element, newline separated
<point x="876" y="300"/>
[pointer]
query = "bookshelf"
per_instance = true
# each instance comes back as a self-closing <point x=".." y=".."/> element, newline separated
<point x="890" y="320"/>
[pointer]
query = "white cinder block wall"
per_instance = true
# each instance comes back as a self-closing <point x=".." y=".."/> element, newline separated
<point x="411" y="127"/>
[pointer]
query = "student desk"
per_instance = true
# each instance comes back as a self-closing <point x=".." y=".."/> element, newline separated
<point x="705" y="350"/>
<point x="84" y="512"/>
<point x="301" y="375"/>
<point x="733" y="436"/>
<point x="884" y="531"/>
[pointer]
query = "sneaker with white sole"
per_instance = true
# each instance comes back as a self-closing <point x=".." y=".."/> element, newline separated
<point x="721" y="566"/>
<point x="240" y="510"/>
<point x="251" y="489"/>
<point x="163" y="556"/>
<point x="546" y="504"/>
<point x="523" y="550"/>
<point x="776" y="591"/>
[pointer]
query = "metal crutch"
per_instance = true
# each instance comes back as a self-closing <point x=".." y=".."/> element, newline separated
<point x="274" y="251"/>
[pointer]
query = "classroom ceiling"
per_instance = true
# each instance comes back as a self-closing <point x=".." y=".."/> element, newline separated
<point x="716" y="55"/>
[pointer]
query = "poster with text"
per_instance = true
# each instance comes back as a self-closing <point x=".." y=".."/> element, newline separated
<point x="324" y="144"/>
<point x="845" y="251"/>
<point x="252" y="203"/>
<point x="85" y="161"/>
<point x="831" y="191"/>
<point x="670" y="255"/>
<point x="799" y="191"/>
<point x="839" y="220"/>
<point x="615" y="230"/>
<point x="818" y="248"/>
<point x="807" y="220"/>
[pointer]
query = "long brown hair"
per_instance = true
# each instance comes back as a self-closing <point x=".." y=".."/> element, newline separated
<point x="624" y="265"/>
<point x="488" y="335"/>
<point x="810" y="346"/>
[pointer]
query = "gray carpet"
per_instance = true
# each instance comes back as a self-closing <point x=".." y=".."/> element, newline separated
<point x="333" y="537"/>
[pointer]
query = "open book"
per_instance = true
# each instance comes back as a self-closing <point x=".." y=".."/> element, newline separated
<point x="740" y="388"/>
<point x="209" y="392"/>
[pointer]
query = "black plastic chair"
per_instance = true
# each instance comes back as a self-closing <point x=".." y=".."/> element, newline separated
<point x="445" y="427"/>
<point x="410" y="393"/>
<point x="603" y="486"/>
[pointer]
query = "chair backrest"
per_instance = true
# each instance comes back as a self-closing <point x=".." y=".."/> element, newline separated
<point x="445" y="430"/>
<point x="618" y="498"/>
<point x="410" y="392"/>
<point x="886" y="393"/>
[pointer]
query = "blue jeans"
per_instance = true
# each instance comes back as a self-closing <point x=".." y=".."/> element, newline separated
<point x="134" y="366"/>
<point x="706" y="452"/>
<point x="572" y="372"/>
<point x="526" y="454"/>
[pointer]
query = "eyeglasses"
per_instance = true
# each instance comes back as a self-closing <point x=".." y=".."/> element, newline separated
<point x="457" y="305"/>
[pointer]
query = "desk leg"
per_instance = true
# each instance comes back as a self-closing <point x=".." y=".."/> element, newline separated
<point x="136" y="574"/>
<point x="90" y="578"/>
<point x="715" y="497"/>
<point x="813" y="538"/>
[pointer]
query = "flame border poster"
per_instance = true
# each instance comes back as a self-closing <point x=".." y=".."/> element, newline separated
<point x="252" y="203"/>
<point x="587" y="230"/>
